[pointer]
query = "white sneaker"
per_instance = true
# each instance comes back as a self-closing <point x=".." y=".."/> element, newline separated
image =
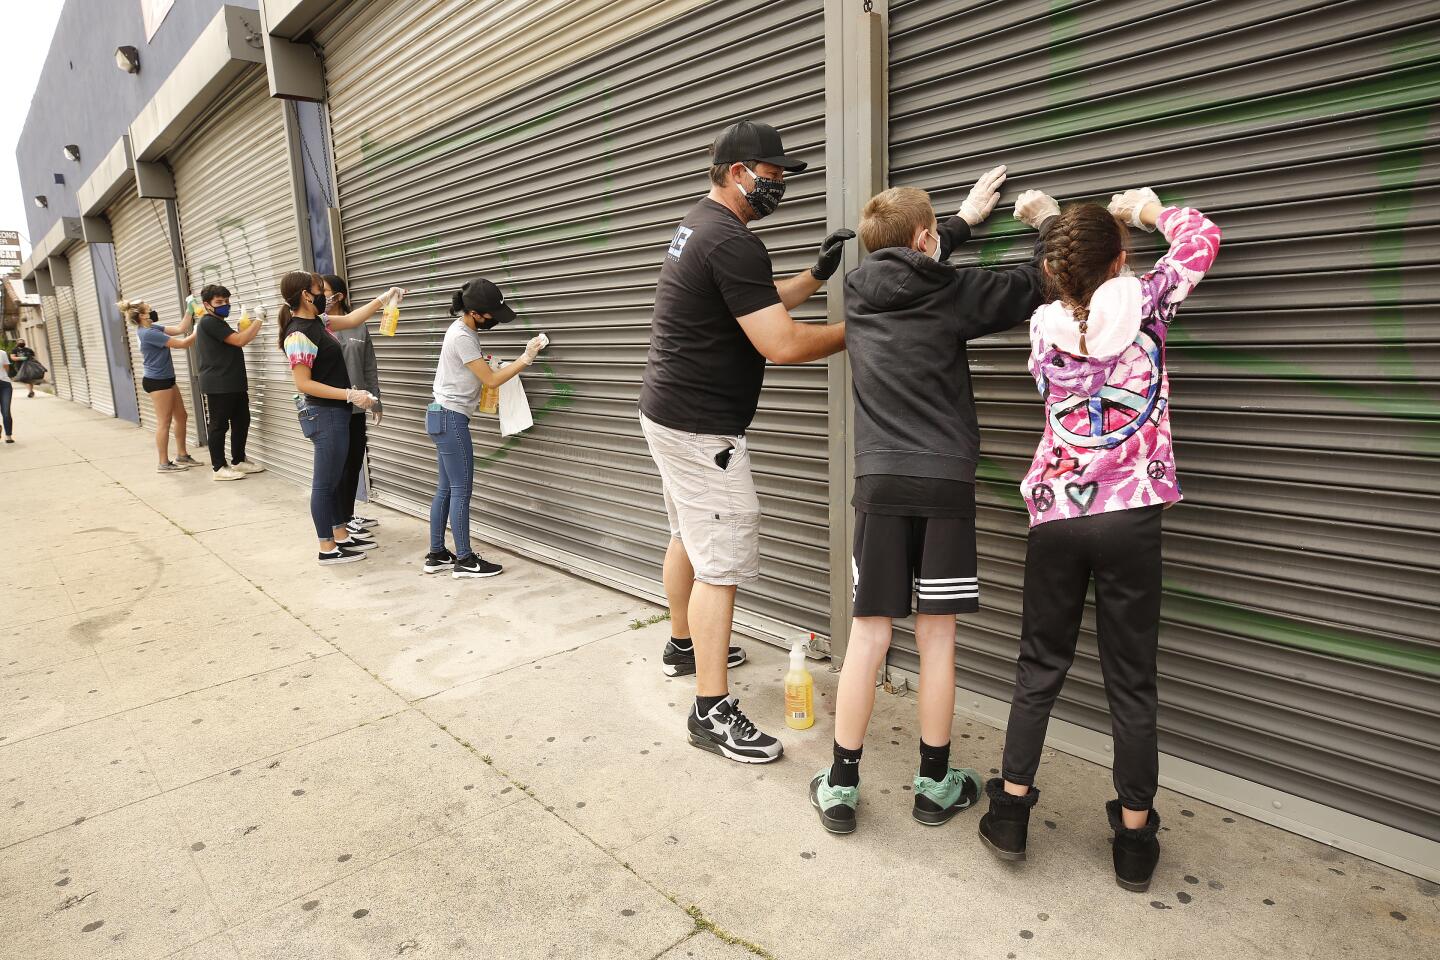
<point x="227" y="473"/>
<point x="247" y="466"/>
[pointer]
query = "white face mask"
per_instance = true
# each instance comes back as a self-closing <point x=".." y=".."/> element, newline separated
<point x="936" y="255"/>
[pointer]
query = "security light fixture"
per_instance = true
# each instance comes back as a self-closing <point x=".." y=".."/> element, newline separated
<point x="72" y="152"/>
<point x="127" y="59"/>
<point x="41" y="201"/>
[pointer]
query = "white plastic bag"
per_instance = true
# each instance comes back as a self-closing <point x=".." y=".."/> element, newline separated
<point x="514" y="408"/>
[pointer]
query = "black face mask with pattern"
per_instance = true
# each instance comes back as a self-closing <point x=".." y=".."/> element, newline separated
<point x="766" y="195"/>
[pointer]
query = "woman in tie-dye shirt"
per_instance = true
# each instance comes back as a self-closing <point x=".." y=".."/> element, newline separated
<point x="1103" y="472"/>
<point x="317" y="365"/>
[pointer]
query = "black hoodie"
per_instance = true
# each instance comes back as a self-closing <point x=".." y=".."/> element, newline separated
<point x="908" y="319"/>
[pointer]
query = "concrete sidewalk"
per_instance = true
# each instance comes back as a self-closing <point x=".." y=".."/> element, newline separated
<point x="212" y="748"/>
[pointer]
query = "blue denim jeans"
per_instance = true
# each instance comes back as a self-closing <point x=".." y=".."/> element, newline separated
<point x="451" y="433"/>
<point x="328" y="428"/>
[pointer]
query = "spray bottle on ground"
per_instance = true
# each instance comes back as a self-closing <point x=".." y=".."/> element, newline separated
<point x="799" y="690"/>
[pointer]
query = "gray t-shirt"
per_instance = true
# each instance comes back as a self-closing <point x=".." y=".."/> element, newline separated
<point x="456" y="387"/>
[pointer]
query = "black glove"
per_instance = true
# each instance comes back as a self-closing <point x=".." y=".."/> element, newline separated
<point x="832" y="248"/>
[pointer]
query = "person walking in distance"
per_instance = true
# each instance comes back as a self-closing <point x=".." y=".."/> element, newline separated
<point x="158" y="380"/>
<point x="224" y="383"/>
<point x="719" y="315"/>
<point x="19" y="356"/>
<point x="364" y="371"/>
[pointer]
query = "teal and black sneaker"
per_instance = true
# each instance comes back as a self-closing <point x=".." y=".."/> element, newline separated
<point x="836" y="805"/>
<point x="936" y="801"/>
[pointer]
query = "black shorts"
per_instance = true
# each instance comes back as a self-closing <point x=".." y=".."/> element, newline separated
<point x="931" y="557"/>
<point x="154" y="385"/>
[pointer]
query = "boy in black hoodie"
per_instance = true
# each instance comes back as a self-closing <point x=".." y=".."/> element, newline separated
<point x="909" y="315"/>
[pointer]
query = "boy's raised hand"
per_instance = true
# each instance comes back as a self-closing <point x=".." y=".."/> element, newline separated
<point x="983" y="196"/>
<point x="1034" y="207"/>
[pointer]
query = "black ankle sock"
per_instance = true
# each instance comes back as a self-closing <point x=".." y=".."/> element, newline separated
<point x="934" y="761"/>
<point x="682" y="645"/>
<point x="845" y="771"/>
<point x="703" y="705"/>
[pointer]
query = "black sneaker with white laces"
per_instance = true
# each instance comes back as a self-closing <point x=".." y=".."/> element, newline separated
<point x="473" y="566"/>
<point x="679" y="661"/>
<point x="355" y="543"/>
<point x="339" y="555"/>
<point x="728" y="732"/>
<point x="365" y="522"/>
<point x="358" y="527"/>
<point x="438" y="562"/>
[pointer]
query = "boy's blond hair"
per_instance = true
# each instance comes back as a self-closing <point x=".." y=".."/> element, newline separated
<point x="891" y="217"/>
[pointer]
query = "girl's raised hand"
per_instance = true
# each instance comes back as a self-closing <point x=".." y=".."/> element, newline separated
<point x="1034" y="207"/>
<point x="1126" y="206"/>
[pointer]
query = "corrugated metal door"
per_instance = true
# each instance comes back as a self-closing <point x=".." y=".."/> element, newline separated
<point x="92" y="338"/>
<point x="237" y="223"/>
<point x="147" y="273"/>
<point x="1299" y="632"/>
<point x="566" y="193"/>
<point x="74" y="346"/>
<point x="55" y="333"/>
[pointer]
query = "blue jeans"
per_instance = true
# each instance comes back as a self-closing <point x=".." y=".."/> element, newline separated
<point x="328" y="428"/>
<point x="6" y="392"/>
<point x="451" y="433"/>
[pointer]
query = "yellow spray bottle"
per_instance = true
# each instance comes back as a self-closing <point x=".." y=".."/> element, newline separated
<point x="799" y="690"/>
<point x="390" y="319"/>
<point x="244" y="318"/>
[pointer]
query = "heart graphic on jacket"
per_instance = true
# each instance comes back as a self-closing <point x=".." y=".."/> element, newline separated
<point x="1082" y="494"/>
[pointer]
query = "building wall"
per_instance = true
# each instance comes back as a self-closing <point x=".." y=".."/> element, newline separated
<point x="84" y="99"/>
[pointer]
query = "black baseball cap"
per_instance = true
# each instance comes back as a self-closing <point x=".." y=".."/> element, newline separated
<point x="482" y="296"/>
<point x="747" y="140"/>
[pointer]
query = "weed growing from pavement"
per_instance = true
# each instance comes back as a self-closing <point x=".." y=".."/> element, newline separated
<point x="648" y="621"/>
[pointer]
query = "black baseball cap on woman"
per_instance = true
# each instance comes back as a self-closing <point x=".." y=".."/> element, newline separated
<point x="482" y="296"/>
<point x="747" y="140"/>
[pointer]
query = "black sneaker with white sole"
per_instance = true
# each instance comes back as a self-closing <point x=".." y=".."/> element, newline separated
<point x="339" y="555"/>
<point x="439" y="562"/>
<point x="357" y="526"/>
<point x="355" y="543"/>
<point x="366" y="522"/>
<point x="473" y="566"/>
<point x="678" y="662"/>
<point x="728" y="732"/>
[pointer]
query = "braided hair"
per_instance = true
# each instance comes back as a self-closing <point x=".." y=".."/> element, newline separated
<point x="1080" y="252"/>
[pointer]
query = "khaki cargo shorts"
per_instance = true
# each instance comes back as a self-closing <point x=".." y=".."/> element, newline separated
<point x="713" y="509"/>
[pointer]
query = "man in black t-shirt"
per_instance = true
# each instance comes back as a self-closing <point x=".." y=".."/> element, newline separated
<point x="719" y="315"/>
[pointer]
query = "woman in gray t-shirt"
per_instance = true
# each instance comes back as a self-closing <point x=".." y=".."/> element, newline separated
<point x="459" y="375"/>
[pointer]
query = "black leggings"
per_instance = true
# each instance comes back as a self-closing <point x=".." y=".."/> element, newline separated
<point x="227" y="411"/>
<point x="1122" y="550"/>
<point x="354" y="460"/>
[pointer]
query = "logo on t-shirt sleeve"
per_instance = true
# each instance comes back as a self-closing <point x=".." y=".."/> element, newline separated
<point x="677" y="245"/>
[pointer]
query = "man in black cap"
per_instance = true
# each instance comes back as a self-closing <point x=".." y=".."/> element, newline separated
<point x="719" y="315"/>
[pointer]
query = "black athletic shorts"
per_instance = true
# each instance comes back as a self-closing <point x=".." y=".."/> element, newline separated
<point x="930" y="557"/>
<point x="154" y="385"/>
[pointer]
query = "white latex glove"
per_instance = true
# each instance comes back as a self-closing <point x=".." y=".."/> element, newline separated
<point x="375" y="415"/>
<point x="363" y="399"/>
<point x="1034" y="207"/>
<point x="395" y="294"/>
<point x="1126" y="206"/>
<point x="983" y="196"/>
<point x="533" y="348"/>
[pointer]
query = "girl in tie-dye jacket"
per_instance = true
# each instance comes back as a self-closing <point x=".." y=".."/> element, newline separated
<point x="1102" y="474"/>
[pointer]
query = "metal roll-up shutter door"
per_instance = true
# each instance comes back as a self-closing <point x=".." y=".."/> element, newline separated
<point x="566" y="194"/>
<point x="92" y="338"/>
<point x="55" y="333"/>
<point x="146" y="270"/>
<point x="74" y="346"/>
<point x="1298" y="634"/>
<point x="237" y="221"/>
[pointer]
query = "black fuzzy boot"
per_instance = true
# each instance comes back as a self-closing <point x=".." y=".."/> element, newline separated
<point x="1005" y="826"/>
<point x="1136" y="852"/>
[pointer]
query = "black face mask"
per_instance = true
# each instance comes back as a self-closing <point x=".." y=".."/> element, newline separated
<point x="487" y="324"/>
<point x="154" y="317"/>
<point x="765" y="196"/>
<point x="319" y="300"/>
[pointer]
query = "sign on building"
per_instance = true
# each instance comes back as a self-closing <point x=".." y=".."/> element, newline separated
<point x="9" y="253"/>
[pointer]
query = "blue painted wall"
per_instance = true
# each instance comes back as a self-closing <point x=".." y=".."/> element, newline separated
<point x="84" y="99"/>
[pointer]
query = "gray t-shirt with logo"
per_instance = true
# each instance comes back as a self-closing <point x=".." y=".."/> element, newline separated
<point x="456" y="387"/>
